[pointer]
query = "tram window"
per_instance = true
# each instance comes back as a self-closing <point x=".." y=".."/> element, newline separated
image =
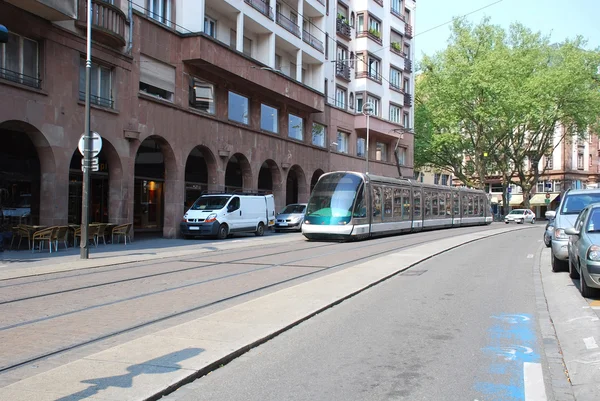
<point x="470" y="205"/>
<point x="417" y="203"/>
<point x="442" y="204"/>
<point x="465" y="205"/>
<point x="482" y="205"/>
<point x="376" y="204"/>
<point x="434" y="204"/>
<point x="406" y="204"/>
<point x="360" y="209"/>
<point x="387" y="202"/>
<point x="456" y="204"/>
<point x="398" y="204"/>
<point x="475" y="206"/>
<point x="427" y="203"/>
<point x="448" y="204"/>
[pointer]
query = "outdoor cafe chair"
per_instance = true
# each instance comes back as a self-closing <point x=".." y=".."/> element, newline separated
<point x="92" y="234"/>
<point x="44" y="235"/>
<point x="101" y="232"/>
<point x="62" y="234"/>
<point x="122" y="230"/>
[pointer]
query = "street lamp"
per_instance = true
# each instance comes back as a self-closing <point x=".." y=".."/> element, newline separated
<point x="367" y="110"/>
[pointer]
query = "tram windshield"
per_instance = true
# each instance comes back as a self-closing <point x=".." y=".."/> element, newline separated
<point x="334" y="195"/>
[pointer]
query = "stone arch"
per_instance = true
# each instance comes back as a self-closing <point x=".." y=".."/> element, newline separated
<point x="106" y="187"/>
<point x="200" y="173"/>
<point x="269" y="177"/>
<point x="315" y="177"/>
<point x="28" y="170"/>
<point x="238" y="174"/>
<point x="158" y="187"/>
<point x="296" y="188"/>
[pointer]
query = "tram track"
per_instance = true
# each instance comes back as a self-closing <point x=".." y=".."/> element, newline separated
<point x="414" y="241"/>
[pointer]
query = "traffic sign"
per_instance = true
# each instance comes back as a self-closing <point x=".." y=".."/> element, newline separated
<point x="95" y="164"/>
<point x="96" y="144"/>
<point x="368" y="109"/>
<point x="547" y="201"/>
<point x="547" y="195"/>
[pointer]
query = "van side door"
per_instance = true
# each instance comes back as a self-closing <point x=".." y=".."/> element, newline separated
<point x="234" y="214"/>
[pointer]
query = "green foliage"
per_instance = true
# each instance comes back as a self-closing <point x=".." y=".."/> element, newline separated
<point x="396" y="46"/>
<point x="375" y="32"/>
<point x="493" y="100"/>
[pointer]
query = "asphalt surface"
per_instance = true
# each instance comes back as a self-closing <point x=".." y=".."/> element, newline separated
<point x="450" y="328"/>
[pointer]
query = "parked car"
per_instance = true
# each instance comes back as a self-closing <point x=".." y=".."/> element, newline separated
<point x="548" y="232"/>
<point x="290" y="218"/>
<point x="584" y="250"/>
<point x="520" y="216"/>
<point x="572" y="202"/>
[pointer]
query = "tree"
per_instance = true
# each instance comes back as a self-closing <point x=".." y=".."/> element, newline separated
<point x="498" y="101"/>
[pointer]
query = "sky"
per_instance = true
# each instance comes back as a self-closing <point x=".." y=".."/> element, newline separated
<point x="561" y="19"/>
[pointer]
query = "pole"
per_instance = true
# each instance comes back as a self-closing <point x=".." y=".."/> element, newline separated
<point x="87" y="142"/>
<point x="367" y="147"/>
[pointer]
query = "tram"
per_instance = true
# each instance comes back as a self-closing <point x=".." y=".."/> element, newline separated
<point x="346" y="205"/>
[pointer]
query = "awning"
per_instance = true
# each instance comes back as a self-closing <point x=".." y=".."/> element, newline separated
<point x="495" y="199"/>
<point x="515" y="200"/>
<point x="540" y="199"/>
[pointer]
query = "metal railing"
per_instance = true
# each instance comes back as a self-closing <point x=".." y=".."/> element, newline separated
<point x="408" y="30"/>
<point x="342" y="27"/>
<point x="97" y="100"/>
<point x="105" y="16"/>
<point x="342" y="69"/>
<point x="19" y="78"/>
<point x="407" y="65"/>
<point x="311" y="40"/>
<point x="261" y="6"/>
<point x="397" y="13"/>
<point x="407" y="100"/>
<point x="369" y="74"/>
<point x="287" y="24"/>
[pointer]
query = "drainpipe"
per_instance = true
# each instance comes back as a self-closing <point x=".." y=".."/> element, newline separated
<point x="130" y="16"/>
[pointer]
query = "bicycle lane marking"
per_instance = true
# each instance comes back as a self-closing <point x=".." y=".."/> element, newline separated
<point x="515" y="371"/>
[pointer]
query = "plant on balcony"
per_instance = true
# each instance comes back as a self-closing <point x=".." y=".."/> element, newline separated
<point x="341" y="17"/>
<point x="397" y="46"/>
<point x="375" y="33"/>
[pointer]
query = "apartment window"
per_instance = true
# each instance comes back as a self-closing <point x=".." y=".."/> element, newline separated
<point x="395" y="113"/>
<point x="381" y="152"/>
<point x="550" y="162"/>
<point x="402" y="158"/>
<point x="361" y="147"/>
<point x="233" y="39"/>
<point x="295" y="127"/>
<point x="156" y="78"/>
<point x="580" y="161"/>
<point x="340" y="97"/>
<point x="210" y="27"/>
<point x="375" y="27"/>
<point x="19" y="61"/>
<point x="247" y="50"/>
<point x="590" y="160"/>
<point x="436" y="178"/>
<point x="269" y="118"/>
<point x="407" y="51"/>
<point x="375" y="102"/>
<point x="396" y="6"/>
<point x="406" y="85"/>
<point x="405" y="121"/>
<point x="202" y="96"/>
<point x="293" y="68"/>
<point x="395" y="78"/>
<point x="374" y="66"/>
<point x="160" y="10"/>
<point x="444" y="179"/>
<point x="360" y="25"/>
<point x="238" y="108"/>
<point x="318" y="134"/>
<point x="278" y="62"/>
<point x="342" y="141"/>
<point x="359" y="102"/>
<point x="100" y="82"/>
<point x="351" y="100"/>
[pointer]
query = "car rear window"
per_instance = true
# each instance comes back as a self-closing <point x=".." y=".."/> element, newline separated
<point x="574" y="204"/>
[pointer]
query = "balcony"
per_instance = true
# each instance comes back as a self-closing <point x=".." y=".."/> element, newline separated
<point x="407" y="100"/>
<point x="371" y="34"/>
<point x="398" y="14"/>
<point x="51" y="10"/>
<point x="396" y="87"/>
<point x="407" y="64"/>
<point x="408" y="30"/>
<point x="396" y="47"/>
<point x="374" y="75"/>
<point x="342" y="70"/>
<point x="262" y="7"/>
<point x="314" y="42"/>
<point x="19" y="78"/>
<point x="288" y="24"/>
<point x="343" y="28"/>
<point x="108" y="22"/>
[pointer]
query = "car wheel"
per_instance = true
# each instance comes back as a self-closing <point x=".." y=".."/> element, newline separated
<point x="506" y="222"/>
<point x="586" y="291"/>
<point x="222" y="233"/>
<point x="572" y="270"/>
<point x="547" y="241"/>
<point x="260" y="230"/>
<point x="557" y="265"/>
<point x="533" y="221"/>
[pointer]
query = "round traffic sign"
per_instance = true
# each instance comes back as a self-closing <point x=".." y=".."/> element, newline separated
<point x="96" y="144"/>
<point x="547" y="195"/>
<point x="368" y="108"/>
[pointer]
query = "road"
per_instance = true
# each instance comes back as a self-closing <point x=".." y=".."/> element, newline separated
<point x="460" y="326"/>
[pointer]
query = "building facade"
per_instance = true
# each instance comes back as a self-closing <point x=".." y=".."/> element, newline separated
<point x="198" y="95"/>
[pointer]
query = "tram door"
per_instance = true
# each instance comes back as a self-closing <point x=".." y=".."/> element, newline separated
<point x="417" y="217"/>
<point x="376" y="204"/>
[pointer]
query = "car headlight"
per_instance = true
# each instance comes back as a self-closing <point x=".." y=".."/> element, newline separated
<point x="593" y="253"/>
<point x="559" y="233"/>
<point x="211" y="217"/>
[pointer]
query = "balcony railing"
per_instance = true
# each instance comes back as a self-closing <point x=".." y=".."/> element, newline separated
<point x="408" y="30"/>
<point x="373" y="35"/>
<point x="407" y="65"/>
<point x="374" y="75"/>
<point x="262" y="7"/>
<point x="397" y="13"/>
<point x="19" y="78"/>
<point x="321" y="1"/>
<point x="396" y="47"/>
<point x="343" y="28"/>
<point x="108" y="22"/>
<point x="288" y="24"/>
<point x="396" y="87"/>
<point x="342" y="70"/>
<point x="314" y="42"/>
<point x="100" y="101"/>
<point x="407" y="100"/>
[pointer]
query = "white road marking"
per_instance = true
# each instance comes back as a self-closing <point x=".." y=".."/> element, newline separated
<point x="530" y="256"/>
<point x="533" y="378"/>
<point x="539" y="240"/>
<point x="590" y="343"/>
<point x="592" y="319"/>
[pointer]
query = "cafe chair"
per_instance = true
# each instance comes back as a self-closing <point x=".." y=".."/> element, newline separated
<point x="123" y="230"/>
<point x="61" y="235"/>
<point x="44" y="235"/>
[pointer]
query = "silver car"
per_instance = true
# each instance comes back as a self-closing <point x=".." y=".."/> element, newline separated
<point x="290" y="218"/>
<point x="520" y="216"/>
<point x="584" y="250"/>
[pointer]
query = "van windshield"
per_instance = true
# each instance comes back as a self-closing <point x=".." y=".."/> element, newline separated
<point x="210" y="203"/>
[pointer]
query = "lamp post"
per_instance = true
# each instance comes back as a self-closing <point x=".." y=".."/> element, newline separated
<point x="367" y="110"/>
<point x="87" y="154"/>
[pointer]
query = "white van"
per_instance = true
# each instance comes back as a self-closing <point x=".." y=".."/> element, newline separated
<point x="221" y="215"/>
